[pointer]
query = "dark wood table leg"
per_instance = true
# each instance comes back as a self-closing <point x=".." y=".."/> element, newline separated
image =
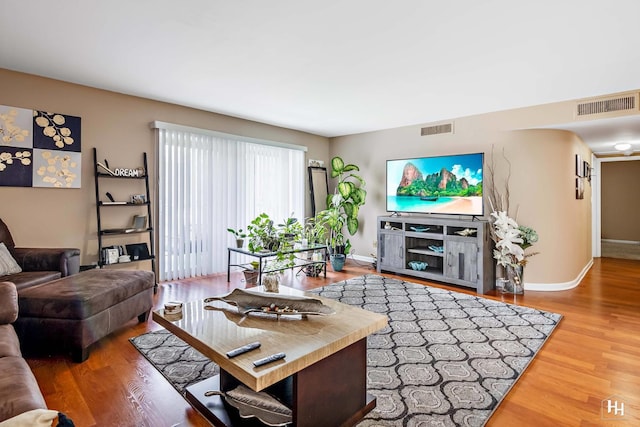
<point x="332" y="392"/>
<point x="334" y="389"/>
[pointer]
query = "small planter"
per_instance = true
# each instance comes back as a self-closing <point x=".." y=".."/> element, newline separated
<point x="271" y="282"/>
<point x="337" y="261"/>
<point x="313" y="270"/>
<point x="239" y="243"/>
<point x="251" y="277"/>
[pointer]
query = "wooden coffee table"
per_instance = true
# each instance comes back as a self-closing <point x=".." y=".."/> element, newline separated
<point x="322" y="379"/>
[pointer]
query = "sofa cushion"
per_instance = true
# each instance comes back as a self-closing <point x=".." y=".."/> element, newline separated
<point x="84" y="294"/>
<point x="33" y="418"/>
<point x="27" y="279"/>
<point x="8" y="303"/>
<point x="19" y="391"/>
<point x="9" y="343"/>
<point x="8" y="264"/>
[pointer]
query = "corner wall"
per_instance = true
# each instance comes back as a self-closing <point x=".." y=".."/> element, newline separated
<point x="118" y="126"/>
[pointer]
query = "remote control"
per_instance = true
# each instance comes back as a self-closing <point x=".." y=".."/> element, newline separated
<point x="245" y="348"/>
<point x="269" y="359"/>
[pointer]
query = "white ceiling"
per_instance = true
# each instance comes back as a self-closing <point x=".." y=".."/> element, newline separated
<point x="334" y="67"/>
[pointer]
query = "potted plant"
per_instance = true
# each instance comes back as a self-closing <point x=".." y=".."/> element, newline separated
<point x="290" y="229"/>
<point x="263" y="236"/>
<point x="315" y="230"/>
<point x="343" y="208"/>
<point x="251" y="273"/>
<point x="239" y="236"/>
<point x="274" y="268"/>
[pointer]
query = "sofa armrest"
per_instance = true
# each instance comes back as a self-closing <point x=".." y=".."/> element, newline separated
<point x="8" y="303"/>
<point x="64" y="260"/>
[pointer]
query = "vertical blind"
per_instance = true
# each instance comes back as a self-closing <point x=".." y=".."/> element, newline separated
<point x="208" y="182"/>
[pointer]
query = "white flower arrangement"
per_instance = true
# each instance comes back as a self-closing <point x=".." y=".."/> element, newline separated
<point x="511" y="240"/>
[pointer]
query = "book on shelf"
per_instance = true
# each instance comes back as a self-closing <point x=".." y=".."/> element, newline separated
<point x="114" y="203"/>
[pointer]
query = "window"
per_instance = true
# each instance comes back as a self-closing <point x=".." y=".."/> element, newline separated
<point x="208" y="182"/>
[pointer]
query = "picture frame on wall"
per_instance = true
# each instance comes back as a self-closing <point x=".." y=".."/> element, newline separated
<point x="579" y="188"/>
<point x="579" y="166"/>
<point x="586" y="170"/>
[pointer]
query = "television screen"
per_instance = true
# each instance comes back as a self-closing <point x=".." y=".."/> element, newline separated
<point x="442" y="184"/>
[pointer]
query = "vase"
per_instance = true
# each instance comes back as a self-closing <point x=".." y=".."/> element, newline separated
<point x="514" y="283"/>
<point x="271" y="282"/>
<point x="337" y="261"/>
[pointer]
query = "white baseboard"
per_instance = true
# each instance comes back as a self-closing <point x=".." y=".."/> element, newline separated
<point x="625" y="242"/>
<point x="544" y="287"/>
<point x="552" y="287"/>
<point x="363" y="258"/>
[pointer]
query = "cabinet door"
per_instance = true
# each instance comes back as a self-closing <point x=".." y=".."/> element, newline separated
<point x="462" y="261"/>
<point x="391" y="250"/>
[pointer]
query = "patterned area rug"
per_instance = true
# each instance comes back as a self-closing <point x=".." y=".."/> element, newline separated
<point x="446" y="358"/>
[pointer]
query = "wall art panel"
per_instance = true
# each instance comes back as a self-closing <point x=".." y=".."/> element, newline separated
<point x="39" y="149"/>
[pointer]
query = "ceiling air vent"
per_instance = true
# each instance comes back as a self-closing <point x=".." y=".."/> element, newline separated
<point x="610" y="106"/>
<point x="437" y="129"/>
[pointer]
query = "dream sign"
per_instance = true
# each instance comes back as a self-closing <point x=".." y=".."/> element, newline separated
<point x="134" y="173"/>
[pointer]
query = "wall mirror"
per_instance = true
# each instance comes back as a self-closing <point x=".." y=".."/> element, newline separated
<point x="318" y="188"/>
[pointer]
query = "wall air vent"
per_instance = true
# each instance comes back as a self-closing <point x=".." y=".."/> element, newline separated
<point x="437" y="129"/>
<point x="607" y="106"/>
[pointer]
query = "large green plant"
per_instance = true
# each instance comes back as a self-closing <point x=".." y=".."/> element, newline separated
<point x="344" y="204"/>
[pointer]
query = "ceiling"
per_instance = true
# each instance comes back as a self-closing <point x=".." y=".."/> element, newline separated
<point x="335" y="67"/>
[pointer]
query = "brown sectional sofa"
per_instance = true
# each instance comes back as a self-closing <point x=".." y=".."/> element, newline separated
<point x="19" y="391"/>
<point x="39" y="265"/>
<point x="69" y="314"/>
<point x="51" y="306"/>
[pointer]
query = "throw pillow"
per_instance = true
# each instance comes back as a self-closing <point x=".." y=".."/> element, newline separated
<point x="8" y="265"/>
<point x="33" y="418"/>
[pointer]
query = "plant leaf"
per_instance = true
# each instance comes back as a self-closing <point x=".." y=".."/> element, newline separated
<point x="337" y="164"/>
<point x="350" y="168"/>
<point x="348" y="209"/>
<point x="358" y="196"/>
<point x="345" y="189"/>
<point x="352" y="225"/>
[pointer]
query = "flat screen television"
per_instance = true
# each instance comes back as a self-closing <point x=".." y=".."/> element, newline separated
<point x="439" y="184"/>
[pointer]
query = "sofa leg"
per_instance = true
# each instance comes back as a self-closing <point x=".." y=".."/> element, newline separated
<point x="143" y="317"/>
<point x="81" y="355"/>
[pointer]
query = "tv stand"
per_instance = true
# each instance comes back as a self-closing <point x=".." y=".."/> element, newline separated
<point x="456" y="251"/>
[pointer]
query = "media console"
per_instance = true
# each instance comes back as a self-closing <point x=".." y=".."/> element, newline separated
<point x="456" y="251"/>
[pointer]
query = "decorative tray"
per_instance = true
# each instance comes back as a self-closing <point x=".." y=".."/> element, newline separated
<point x="260" y="405"/>
<point x="280" y="305"/>
<point x="467" y="232"/>
<point x="418" y="265"/>
<point x="419" y="229"/>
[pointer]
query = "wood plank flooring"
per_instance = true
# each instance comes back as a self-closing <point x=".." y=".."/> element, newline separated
<point x="594" y="353"/>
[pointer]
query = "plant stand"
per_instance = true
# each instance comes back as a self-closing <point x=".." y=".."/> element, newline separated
<point x="264" y="257"/>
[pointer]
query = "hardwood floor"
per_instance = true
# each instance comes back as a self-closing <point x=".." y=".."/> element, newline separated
<point x="594" y="353"/>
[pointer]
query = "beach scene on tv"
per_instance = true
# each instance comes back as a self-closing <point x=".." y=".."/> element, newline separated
<point x="443" y="184"/>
